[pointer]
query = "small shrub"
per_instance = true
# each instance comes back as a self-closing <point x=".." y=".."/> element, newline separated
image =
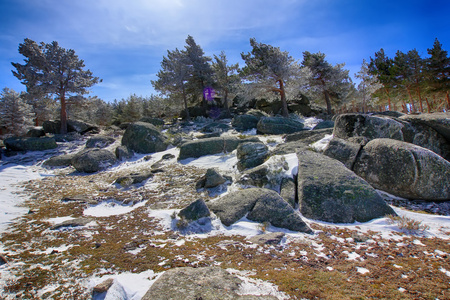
<point x="407" y="224"/>
<point x="264" y="226"/>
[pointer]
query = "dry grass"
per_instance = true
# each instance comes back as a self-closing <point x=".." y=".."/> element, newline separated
<point x="407" y="224"/>
<point x="314" y="267"/>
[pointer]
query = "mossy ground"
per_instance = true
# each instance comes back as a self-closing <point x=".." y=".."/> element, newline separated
<point x="313" y="267"/>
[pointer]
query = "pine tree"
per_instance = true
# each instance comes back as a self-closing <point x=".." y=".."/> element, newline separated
<point x="332" y="82"/>
<point x="52" y="70"/>
<point x="438" y="70"/>
<point x="174" y="76"/>
<point x="201" y="71"/>
<point x="381" y="66"/>
<point x="226" y="77"/>
<point x="270" y="70"/>
<point x="368" y="85"/>
<point x="15" y="114"/>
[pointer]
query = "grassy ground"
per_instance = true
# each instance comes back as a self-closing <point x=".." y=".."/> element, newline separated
<point x="327" y="265"/>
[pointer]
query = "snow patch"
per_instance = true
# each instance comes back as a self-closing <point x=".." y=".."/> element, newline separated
<point x="111" y="208"/>
<point x="320" y="145"/>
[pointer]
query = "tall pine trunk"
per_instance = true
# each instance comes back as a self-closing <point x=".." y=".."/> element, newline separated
<point x="328" y="101"/>
<point x="284" y="108"/>
<point x="186" y="108"/>
<point x="62" y="99"/>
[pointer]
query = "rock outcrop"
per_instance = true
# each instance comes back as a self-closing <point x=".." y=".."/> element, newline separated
<point x="251" y="154"/>
<point x="260" y="205"/>
<point x="278" y="125"/>
<point x="328" y="191"/>
<point x="142" y="137"/>
<point x="30" y="143"/>
<point x="405" y="170"/>
<point x="208" y="146"/>
<point x="93" y="160"/>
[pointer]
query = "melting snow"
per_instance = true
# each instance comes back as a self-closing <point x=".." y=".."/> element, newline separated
<point x="111" y="208"/>
<point x="362" y="270"/>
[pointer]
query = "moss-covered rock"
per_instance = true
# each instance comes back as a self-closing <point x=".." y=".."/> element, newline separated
<point x="330" y="192"/>
<point x="208" y="146"/>
<point x="251" y="155"/>
<point x="142" y="137"/>
<point x="30" y="143"/>
<point x="278" y="125"/>
<point x="405" y="170"/>
<point x="93" y="160"/>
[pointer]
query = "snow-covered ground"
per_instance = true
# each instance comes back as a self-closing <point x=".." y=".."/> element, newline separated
<point x="134" y="285"/>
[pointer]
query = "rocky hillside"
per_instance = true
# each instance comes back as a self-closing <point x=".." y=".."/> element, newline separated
<point x="249" y="203"/>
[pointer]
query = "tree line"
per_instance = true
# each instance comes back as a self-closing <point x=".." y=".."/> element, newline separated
<point x="56" y="80"/>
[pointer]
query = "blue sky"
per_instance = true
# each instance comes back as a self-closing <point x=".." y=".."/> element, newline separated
<point x="123" y="42"/>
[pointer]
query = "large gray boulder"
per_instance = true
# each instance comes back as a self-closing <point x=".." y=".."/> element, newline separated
<point x="208" y="146"/>
<point x="345" y="151"/>
<point x="328" y="191"/>
<point x="30" y="143"/>
<point x="93" y="160"/>
<point x="404" y="170"/>
<point x="142" y="137"/>
<point x="301" y="140"/>
<point x="438" y="121"/>
<point x="63" y="160"/>
<point x="245" y="122"/>
<point x="195" y="211"/>
<point x="211" y="179"/>
<point x="378" y="126"/>
<point x="251" y="155"/>
<point x="206" y="283"/>
<point x="99" y="141"/>
<point x="278" y="125"/>
<point x="260" y="205"/>
<point x="72" y="126"/>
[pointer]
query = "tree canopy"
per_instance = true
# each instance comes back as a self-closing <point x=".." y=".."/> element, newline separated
<point x="52" y="70"/>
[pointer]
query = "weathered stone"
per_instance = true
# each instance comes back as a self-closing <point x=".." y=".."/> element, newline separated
<point x="103" y="287"/>
<point x="134" y="178"/>
<point x="144" y="138"/>
<point x="438" y="121"/>
<point x="273" y="238"/>
<point x="153" y="121"/>
<point x="35" y="132"/>
<point x="278" y="125"/>
<point x="272" y="208"/>
<point x="3" y="260"/>
<point x="405" y="170"/>
<point x="324" y="125"/>
<point x="206" y="283"/>
<point x="210" y="180"/>
<point x="72" y="223"/>
<point x="373" y="127"/>
<point x="93" y="160"/>
<point x="309" y="136"/>
<point x="63" y="160"/>
<point x="256" y="176"/>
<point x="123" y="153"/>
<point x="30" y="143"/>
<point x="251" y="154"/>
<point x="262" y="205"/>
<point x="288" y="191"/>
<point x="81" y="127"/>
<point x="245" y="122"/>
<point x="198" y="148"/>
<point x="343" y="150"/>
<point x="195" y="211"/>
<point x="99" y="141"/>
<point x="330" y="192"/>
<point x="215" y="127"/>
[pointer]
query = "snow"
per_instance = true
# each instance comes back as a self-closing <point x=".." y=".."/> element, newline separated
<point x="135" y="285"/>
<point x="320" y="145"/>
<point x="11" y="176"/>
<point x="111" y="208"/>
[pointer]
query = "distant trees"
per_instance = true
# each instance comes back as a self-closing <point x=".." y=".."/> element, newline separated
<point x="52" y="70"/>
<point x="15" y="113"/>
<point x="331" y="82"/>
<point x="410" y="76"/>
<point x="367" y="86"/>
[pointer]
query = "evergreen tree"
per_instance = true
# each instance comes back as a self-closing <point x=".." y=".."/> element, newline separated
<point x="332" y="82"/>
<point x="15" y="114"/>
<point x="438" y="70"/>
<point x="226" y="77"/>
<point x="52" y="70"/>
<point x="174" y="76"/>
<point x="269" y="70"/>
<point x="200" y="68"/>
<point x="381" y="67"/>
<point x="368" y="85"/>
